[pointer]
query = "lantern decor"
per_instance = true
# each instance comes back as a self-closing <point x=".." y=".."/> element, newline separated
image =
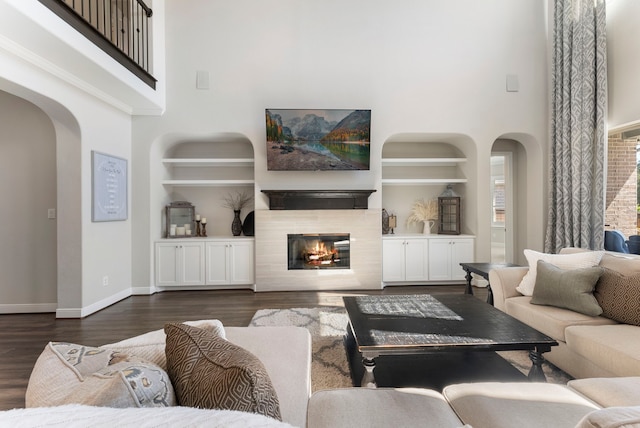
<point x="449" y="212"/>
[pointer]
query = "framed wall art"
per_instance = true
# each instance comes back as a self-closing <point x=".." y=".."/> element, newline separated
<point x="318" y="140"/>
<point x="109" y="187"/>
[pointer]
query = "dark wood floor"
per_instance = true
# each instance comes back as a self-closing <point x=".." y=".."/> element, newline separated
<point x="23" y="336"/>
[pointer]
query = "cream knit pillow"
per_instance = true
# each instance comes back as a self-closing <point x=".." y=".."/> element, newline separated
<point x="562" y="261"/>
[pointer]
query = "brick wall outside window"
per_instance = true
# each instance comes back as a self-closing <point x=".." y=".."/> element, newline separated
<point x="622" y="185"/>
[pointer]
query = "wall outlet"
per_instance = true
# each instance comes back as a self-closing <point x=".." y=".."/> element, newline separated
<point x="105" y="280"/>
<point x="51" y="213"/>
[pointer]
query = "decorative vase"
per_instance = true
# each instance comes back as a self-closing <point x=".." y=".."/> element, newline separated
<point x="428" y="224"/>
<point x="248" y="225"/>
<point x="385" y="222"/>
<point x="236" y="224"/>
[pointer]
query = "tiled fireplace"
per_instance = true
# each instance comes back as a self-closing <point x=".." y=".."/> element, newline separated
<point x="361" y="228"/>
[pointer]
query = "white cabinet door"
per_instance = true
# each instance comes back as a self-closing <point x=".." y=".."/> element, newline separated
<point x="439" y="260"/>
<point x="230" y="262"/>
<point x="179" y="263"/>
<point x="192" y="263"/>
<point x="393" y="260"/>
<point x="241" y="263"/>
<point x="445" y="256"/>
<point x="416" y="263"/>
<point x="167" y="264"/>
<point x="461" y="251"/>
<point x="405" y="259"/>
<point x="216" y="255"/>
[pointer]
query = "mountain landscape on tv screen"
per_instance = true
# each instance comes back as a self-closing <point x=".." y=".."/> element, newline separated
<point x="313" y="140"/>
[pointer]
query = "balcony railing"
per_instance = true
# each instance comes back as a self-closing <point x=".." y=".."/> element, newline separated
<point x="119" y="27"/>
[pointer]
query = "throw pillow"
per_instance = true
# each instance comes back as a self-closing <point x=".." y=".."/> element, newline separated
<point x="569" y="289"/>
<point x="207" y="371"/>
<point x="66" y="373"/>
<point x="619" y="296"/>
<point x="563" y="261"/>
<point x="150" y="346"/>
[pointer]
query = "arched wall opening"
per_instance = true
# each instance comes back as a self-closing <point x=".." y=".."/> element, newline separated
<point x="205" y="184"/>
<point x="528" y="176"/>
<point x="65" y="167"/>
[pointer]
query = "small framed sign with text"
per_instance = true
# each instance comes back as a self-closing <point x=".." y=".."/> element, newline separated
<point x="109" y="187"/>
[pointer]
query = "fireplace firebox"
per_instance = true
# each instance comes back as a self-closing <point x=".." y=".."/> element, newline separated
<point x="318" y="251"/>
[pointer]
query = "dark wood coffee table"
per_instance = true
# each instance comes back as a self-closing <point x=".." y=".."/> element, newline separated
<point x="483" y="270"/>
<point x="457" y="333"/>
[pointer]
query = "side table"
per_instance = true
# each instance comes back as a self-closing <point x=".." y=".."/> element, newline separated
<point x="482" y="269"/>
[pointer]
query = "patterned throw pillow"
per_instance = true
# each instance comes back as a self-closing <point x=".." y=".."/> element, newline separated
<point x="563" y="261"/>
<point x="67" y="373"/>
<point x="207" y="371"/>
<point x="619" y="297"/>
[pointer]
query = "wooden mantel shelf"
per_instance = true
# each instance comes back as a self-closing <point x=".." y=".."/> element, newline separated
<point x="318" y="199"/>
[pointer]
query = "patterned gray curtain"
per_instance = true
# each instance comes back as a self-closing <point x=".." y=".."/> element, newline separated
<point x="579" y="104"/>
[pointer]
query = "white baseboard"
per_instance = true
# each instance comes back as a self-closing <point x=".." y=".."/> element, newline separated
<point x="143" y="291"/>
<point x="95" y="307"/>
<point x="28" y="308"/>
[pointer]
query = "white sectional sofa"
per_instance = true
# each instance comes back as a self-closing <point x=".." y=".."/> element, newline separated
<point x="589" y="346"/>
<point x="286" y="355"/>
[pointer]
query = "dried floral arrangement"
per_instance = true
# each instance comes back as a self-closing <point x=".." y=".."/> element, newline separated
<point x="238" y="200"/>
<point x="422" y="211"/>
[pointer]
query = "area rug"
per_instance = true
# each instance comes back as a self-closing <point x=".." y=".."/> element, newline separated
<point x="329" y="366"/>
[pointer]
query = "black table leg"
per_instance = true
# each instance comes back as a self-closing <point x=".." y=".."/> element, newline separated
<point x="536" y="374"/>
<point x="490" y="295"/>
<point x="468" y="289"/>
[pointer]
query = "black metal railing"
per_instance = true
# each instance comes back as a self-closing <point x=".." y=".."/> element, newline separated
<point x="119" y="27"/>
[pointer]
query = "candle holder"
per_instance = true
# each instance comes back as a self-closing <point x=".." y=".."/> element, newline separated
<point x="198" y="232"/>
<point x="204" y="229"/>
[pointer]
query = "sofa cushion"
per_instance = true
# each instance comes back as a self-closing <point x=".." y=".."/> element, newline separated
<point x="549" y="320"/>
<point x="207" y="371"/>
<point x="290" y="371"/>
<point x="563" y="261"/>
<point x="614" y="417"/>
<point x="626" y="264"/>
<point x="609" y="391"/>
<point x="615" y="347"/>
<point x="68" y="373"/>
<point x="517" y="404"/>
<point x="381" y="407"/>
<point x="150" y="346"/>
<point x="619" y="296"/>
<point x="569" y="289"/>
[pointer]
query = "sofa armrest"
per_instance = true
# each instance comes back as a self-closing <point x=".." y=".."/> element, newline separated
<point x="504" y="282"/>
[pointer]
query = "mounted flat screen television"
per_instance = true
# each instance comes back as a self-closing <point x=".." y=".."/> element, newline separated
<point x="318" y="140"/>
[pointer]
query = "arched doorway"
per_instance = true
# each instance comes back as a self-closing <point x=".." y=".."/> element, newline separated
<point x="64" y="255"/>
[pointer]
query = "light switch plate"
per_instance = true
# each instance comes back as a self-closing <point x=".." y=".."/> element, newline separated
<point x="51" y="213"/>
<point x="202" y="79"/>
<point x="512" y="83"/>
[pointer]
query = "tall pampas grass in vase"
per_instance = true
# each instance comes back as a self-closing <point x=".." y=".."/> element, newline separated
<point x="425" y="212"/>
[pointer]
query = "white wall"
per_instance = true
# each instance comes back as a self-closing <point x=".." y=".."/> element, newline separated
<point x="623" y="62"/>
<point x="424" y="67"/>
<point x="28" y="189"/>
<point x="84" y="119"/>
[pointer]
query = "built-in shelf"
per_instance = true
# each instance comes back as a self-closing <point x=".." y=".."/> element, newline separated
<point x="181" y="162"/>
<point x="211" y="183"/>
<point x="408" y="171"/>
<point x="421" y="181"/>
<point x="207" y="177"/>
<point x="422" y="161"/>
